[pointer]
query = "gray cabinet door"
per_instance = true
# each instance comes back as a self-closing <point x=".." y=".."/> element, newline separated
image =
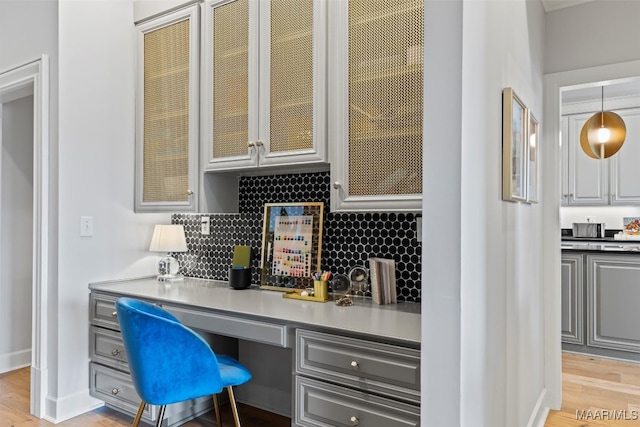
<point x="613" y="293"/>
<point x="572" y="299"/>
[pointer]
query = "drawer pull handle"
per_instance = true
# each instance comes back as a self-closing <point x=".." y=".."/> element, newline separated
<point x="115" y="352"/>
<point x="114" y="314"/>
<point x="115" y="391"/>
<point x="354" y="364"/>
<point x="354" y="421"/>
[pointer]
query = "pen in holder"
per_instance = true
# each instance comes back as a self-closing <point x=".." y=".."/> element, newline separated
<point x="321" y="289"/>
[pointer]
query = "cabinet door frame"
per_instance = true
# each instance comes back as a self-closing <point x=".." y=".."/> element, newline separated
<point x="578" y="157"/>
<point x="615" y="162"/>
<point x="318" y="152"/>
<point x="595" y="316"/>
<point x="192" y="14"/>
<point x="250" y="159"/>
<point x="338" y="130"/>
<point x="575" y="333"/>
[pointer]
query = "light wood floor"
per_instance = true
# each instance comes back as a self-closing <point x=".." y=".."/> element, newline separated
<point x="599" y="390"/>
<point x="590" y="385"/>
<point x="14" y="411"/>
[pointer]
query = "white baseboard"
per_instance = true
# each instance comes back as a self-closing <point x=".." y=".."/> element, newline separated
<point x="16" y="360"/>
<point x="540" y="411"/>
<point x="67" y="407"/>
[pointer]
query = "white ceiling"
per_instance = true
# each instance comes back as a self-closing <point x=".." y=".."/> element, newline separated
<point x="550" y="5"/>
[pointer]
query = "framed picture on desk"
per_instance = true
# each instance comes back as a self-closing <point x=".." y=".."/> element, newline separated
<point x="291" y="244"/>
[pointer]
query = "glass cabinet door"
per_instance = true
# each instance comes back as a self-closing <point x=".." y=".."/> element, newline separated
<point x="380" y="127"/>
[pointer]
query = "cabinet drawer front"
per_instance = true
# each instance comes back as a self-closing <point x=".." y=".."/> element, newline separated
<point x="116" y="389"/>
<point x="231" y="326"/>
<point x="107" y="348"/>
<point x="103" y="311"/>
<point x="327" y="405"/>
<point x="381" y="368"/>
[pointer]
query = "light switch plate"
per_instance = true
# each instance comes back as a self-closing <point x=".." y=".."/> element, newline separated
<point x="419" y="228"/>
<point x="86" y="226"/>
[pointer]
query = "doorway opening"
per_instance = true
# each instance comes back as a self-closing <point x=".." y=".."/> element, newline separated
<point x="24" y="182"/>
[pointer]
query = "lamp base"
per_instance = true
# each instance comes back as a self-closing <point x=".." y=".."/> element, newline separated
<point x="166" y="266"/>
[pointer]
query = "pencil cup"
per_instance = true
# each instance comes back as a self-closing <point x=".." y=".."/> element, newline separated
<point x="320" y="289"/>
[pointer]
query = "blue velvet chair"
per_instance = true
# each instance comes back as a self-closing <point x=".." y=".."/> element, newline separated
<point x="170" y="363"/>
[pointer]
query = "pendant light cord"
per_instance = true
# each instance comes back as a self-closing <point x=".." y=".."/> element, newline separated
<point x="602" y="108"/>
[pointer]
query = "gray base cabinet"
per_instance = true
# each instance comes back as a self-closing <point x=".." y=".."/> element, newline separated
<point x="344" y="381"/>
<point x="110" y="380"/>
<point x="613" y="293"/>
<point x="600" y="294"/>
<point x="572" y="299"/>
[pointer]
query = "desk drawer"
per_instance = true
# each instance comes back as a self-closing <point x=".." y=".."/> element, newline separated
<point x="102" y="311"/>
<point x="116" y="389"/>
<point x="390" y="370"/>
<point x="325" y="405"/>
<point x="106" y="347"/>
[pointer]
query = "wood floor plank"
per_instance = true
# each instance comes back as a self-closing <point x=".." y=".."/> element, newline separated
<point x="14" y="411"/>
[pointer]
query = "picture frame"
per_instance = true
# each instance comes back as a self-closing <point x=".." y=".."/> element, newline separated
<point x="514" y="147"/>
<point x="533" y="169"/>
<point x="291" y="245"/>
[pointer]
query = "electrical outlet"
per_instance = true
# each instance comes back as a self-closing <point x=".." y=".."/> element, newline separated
<point x="205" y="225"/>
<point x="419" y="228"/>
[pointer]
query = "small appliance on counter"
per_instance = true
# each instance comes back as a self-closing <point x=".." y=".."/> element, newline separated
<point x="240" y="271"/>
<point x="588" y="229"/>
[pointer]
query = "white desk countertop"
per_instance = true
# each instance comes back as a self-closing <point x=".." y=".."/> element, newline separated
<point x="399" y="322"/>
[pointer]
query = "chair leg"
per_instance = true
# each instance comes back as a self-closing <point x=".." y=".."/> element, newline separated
<point x="216" y="406"/>
<point x="136" y="420"/>
<point x="160" y="416"/>
<point x="234" y="408"/>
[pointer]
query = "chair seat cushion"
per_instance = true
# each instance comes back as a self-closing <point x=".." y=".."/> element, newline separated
<point x="232" y="372"/>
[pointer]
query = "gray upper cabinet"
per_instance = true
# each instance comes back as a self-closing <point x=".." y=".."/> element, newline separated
<point x="167" y="112"/>
<point x="376" y="99"/>
<point x="265" y="85"/>
<point x="595" y="182"/>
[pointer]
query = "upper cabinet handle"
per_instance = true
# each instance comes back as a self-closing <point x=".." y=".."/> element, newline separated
<point x="259" y="143"/>
<point x="190" y="192"/>
<point x="337" y="185"/>
<point x="251" y="144"/>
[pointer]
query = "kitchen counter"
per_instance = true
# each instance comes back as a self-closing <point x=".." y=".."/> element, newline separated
<point x="600" y="245"/>
<point x="394" y="322"/>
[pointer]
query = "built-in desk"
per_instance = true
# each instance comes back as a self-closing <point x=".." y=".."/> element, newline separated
<point x="352" y="365"/>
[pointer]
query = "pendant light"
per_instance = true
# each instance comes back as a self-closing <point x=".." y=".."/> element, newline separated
<point x="603" y="134"/>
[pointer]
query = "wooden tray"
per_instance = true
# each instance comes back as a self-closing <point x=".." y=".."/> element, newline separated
<point x="295" y="294"/>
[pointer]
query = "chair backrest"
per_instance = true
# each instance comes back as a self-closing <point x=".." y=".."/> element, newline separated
<point x="168" y="362"/>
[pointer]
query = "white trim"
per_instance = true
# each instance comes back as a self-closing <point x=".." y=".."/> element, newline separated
<point x="554" y="84"/>
<point x="540" y="412"/>
<point x="36" y="73"/>
<point x="15" y="360"/>
<point x="67" y="407"/>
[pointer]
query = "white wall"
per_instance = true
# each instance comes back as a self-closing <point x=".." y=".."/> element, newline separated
<point x="96" y="159"/>
<point x="500" y="257"/>
<point x="592" y="34"/>
<point x="16" y="223"/>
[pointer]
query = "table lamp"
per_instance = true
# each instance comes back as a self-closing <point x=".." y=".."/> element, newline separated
<point x="168" y="238"/>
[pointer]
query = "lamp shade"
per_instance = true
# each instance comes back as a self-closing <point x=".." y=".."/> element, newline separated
<point x="168" y="238"/>
<point x="589" y="141"/>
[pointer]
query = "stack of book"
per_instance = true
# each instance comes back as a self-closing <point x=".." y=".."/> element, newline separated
<point x="382" y="273"/>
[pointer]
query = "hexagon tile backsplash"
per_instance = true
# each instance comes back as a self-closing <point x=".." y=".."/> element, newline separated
<point x="349" y="238"/>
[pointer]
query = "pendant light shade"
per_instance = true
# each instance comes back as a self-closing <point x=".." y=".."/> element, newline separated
<point x="603" y="134"/>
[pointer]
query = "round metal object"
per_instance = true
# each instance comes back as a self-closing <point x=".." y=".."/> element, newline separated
<point x="589" y="134"/>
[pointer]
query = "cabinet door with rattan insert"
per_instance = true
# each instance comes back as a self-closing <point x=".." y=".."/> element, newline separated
<point x="167" y="113"/>
<point x="378" y="134"/>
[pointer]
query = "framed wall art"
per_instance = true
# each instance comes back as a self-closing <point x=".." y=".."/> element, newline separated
<point x="532" y="159"/>
<point x="514" y="147"/>
<point x="291" y="244"/>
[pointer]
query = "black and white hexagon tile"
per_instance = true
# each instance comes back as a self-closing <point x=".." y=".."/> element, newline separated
<point x="349" y="238"/>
